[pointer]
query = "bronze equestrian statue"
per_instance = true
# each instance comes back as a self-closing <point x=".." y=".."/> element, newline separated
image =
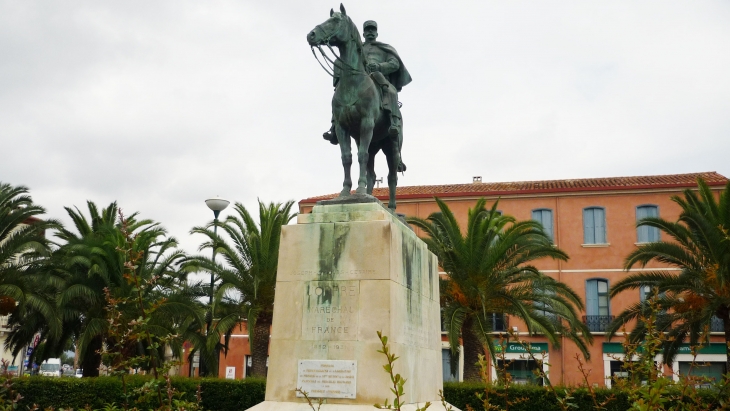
<point x="367" y="79"/>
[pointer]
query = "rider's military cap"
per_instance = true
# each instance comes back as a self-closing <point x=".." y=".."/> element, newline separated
<point x="370" y="23"/>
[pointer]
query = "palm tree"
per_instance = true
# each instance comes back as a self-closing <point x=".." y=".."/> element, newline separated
<point x="489" y="272"/>
<point x="92" y="262"/>
<point x="699" y="246"/>
<point x="23" y="250"/>
<point x="248" y="274"/>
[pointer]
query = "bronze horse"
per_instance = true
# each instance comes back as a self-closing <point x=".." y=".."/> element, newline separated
<point x="356" y="107"/>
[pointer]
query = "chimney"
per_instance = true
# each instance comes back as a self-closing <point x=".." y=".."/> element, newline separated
<point x="477" y="179"/>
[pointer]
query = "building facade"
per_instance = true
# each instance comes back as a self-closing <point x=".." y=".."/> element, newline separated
<point x="594" y="222"/>
<point x="235" y="363"/>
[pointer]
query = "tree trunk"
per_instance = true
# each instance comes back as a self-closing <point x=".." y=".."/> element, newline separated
<point x="92" y="359"/>
<point x="260" y="345"/>
<point x="472" y="349"/>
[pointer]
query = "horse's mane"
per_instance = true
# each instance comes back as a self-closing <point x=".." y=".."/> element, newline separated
<point x="358" y="39"/>
<point x="355" y="35"/>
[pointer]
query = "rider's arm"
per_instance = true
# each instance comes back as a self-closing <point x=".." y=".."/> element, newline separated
<point x="390" y="65"/>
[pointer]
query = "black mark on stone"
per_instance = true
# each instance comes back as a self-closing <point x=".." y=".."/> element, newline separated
<point x="408" y="254"/>
<point x="341" y="232"/>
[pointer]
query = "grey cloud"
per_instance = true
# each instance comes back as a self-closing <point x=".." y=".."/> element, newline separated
<point x="159" y="105"/>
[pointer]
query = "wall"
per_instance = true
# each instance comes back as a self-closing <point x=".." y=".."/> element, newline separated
<point x="586" y="261"/>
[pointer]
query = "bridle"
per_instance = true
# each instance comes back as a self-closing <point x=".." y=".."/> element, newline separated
<point x="337" y="62"/>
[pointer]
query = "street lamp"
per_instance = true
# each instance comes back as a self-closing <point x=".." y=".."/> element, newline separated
<point x="216" y="204"/>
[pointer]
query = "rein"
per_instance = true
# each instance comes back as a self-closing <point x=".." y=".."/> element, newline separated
<point x="332" y="64"/>
<point x="326" y="70"/>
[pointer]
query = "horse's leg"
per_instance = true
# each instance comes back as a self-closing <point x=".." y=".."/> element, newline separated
<point x="344" y="139"/>
<point x="392" y="154"/>
<point x="366" y="136"/>
<point x="371" y="167"/>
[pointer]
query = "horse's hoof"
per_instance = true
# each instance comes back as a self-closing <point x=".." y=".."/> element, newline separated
<point x="361" y="190"/>
<point x="345" y="192"/>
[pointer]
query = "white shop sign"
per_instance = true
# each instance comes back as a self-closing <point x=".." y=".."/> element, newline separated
<point x="327" y="378"/>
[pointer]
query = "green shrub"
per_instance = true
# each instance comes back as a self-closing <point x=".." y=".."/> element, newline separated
<point x="232" y="395"/>
<point x="217" y="394"/>
<point x="539" y="398"/>
<point x="239" y="395"/>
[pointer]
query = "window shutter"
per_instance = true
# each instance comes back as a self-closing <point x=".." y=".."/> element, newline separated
<point x="545" y="217"/>
<point x="599" y="217"/>
<point x="589" y="236"/>
<point x="592" y="297"/>
<point x="642" y="231"/>
<point x="547" y="222"/>
<point x="653" y="231"/>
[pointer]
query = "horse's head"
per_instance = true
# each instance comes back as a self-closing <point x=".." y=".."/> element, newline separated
<point x="335" y="31"/>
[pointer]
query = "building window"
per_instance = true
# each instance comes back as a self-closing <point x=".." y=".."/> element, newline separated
<point x="594" y="225"/>
<point x="706" y="373"/>
<point x="545" y="217"/>
<point x="541" y="307"/>
<point x="646" y="234"/>
<point x="499" y="322"/>
<point x="521" y="371"/>
<point x="716" y="325"/>
<point x="619" y="370"/>
<point x="450" y="369"/>
<point x="645" y="292"/>
<point x="597" y="305"/>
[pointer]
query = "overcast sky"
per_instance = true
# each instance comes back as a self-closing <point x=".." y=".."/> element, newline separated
<point x="162" y="104"/>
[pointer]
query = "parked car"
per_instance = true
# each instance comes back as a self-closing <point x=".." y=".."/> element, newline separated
<point x="79" y="373"/>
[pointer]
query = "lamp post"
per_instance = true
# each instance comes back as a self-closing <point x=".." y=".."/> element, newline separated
<point x="216" y="204"/>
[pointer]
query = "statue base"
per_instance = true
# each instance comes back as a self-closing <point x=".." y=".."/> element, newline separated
<point x="351" y="199"/>
<point x="303" y="406"/>
<point x="347" y="271"/>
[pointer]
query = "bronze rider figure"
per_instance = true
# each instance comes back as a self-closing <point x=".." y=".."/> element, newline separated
<point x="389" y="72"/>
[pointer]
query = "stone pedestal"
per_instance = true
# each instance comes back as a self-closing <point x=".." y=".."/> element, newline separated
<point x="345" y="272"/>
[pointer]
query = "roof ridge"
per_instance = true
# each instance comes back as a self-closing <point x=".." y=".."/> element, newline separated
<point x="543" y="186"/>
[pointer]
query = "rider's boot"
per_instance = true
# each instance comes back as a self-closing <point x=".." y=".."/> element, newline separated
<point x="394" y="129"/>
<point x="395" y="132"/>
<point x="330" y="135"/>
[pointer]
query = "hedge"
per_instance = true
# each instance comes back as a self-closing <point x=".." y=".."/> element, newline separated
<point x="77" y="393"/>
<point x="540" y="398"/>
<point x="239" y="395"/>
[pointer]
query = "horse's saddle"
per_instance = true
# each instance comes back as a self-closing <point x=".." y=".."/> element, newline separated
<point x="386" y="97"/>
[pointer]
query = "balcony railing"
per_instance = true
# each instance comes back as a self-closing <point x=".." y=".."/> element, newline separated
<point x="597" y="323"/>
<point x="716" y="325"/>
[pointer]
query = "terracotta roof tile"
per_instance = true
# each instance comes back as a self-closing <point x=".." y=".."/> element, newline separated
<point x="546" y="186"/>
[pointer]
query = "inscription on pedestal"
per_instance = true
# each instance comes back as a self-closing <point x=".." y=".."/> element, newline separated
<point x="327" y="378"/>
<point x="330" y="310"/>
